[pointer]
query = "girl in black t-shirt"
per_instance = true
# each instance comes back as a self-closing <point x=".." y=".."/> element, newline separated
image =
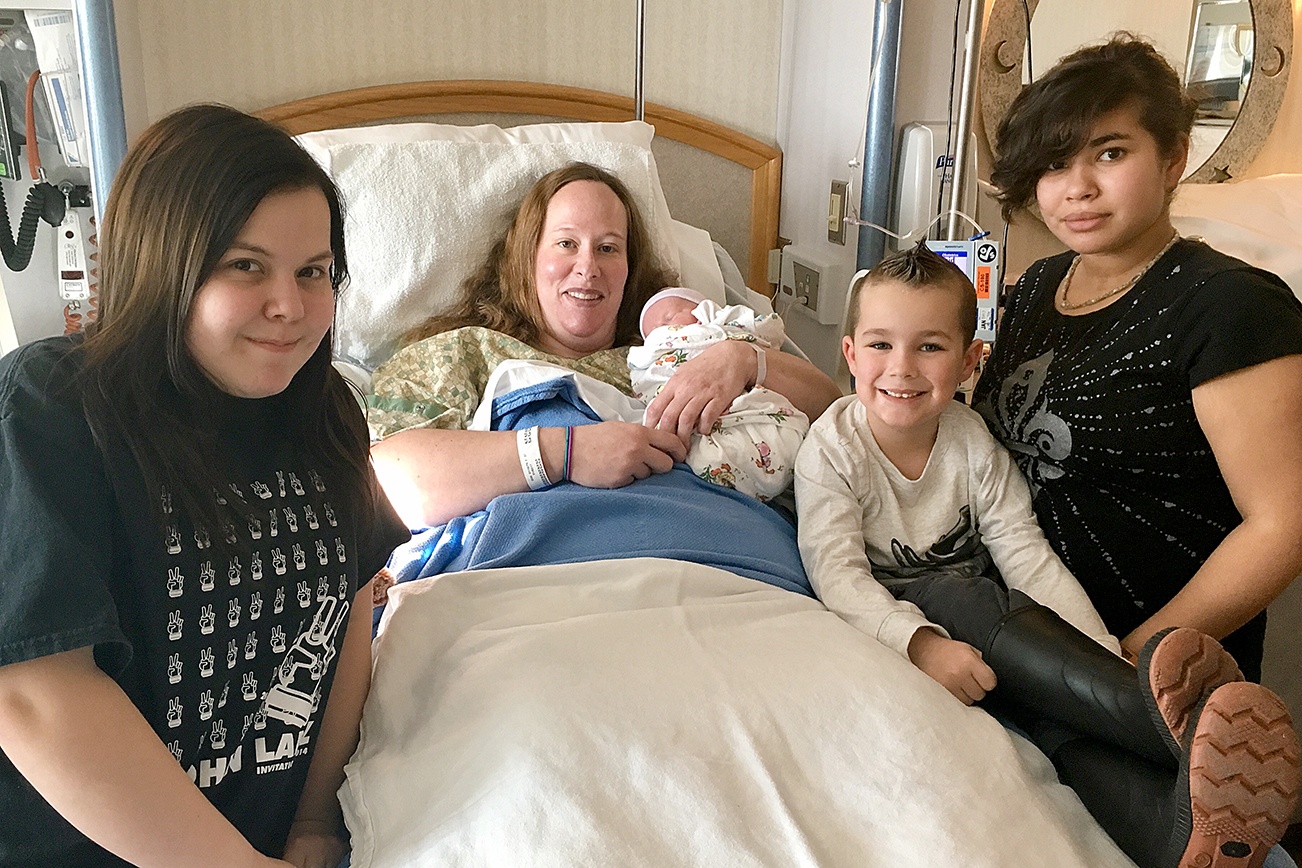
<point x="188" y="517"/>
<point x="1148" y="387"/>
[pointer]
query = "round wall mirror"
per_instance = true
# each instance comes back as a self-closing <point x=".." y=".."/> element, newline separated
<point x="1234" y="57"/>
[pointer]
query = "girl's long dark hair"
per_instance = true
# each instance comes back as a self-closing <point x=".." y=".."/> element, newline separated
<point x="186" y="188"/>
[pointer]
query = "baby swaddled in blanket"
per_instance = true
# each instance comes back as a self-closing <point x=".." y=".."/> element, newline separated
<point x="753" y="446"/>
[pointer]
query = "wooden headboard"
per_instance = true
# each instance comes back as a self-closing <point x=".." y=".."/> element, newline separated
<point x="752" y="232"/>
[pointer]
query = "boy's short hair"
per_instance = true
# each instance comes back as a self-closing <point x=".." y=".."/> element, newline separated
<point x="920" y="267"/>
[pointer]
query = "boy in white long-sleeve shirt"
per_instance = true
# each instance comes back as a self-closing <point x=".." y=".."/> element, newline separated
<point x="914" y="521"/>
<point x="915" y="527"/>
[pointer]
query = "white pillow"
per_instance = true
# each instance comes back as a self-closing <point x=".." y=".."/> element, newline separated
<point x="425" y="201"/>
<point x="638" y="133"/>
<point x="629" y="132"/>
<point x="1255" y="219"/>
<point x="699" y="262"/>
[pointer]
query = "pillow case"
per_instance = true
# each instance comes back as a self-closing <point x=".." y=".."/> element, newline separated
<point x="425" y="201"/>
<point x="639" y="133"/>
<point x="1255" y="219"/>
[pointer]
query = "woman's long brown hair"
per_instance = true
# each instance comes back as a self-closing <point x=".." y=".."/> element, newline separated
<point x="501" y="294"/>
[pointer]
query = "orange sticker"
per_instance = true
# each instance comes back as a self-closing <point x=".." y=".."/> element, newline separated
<point x="983" y="281"/>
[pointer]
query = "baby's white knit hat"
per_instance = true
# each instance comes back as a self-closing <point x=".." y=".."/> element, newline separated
<point x="667" y="292"/>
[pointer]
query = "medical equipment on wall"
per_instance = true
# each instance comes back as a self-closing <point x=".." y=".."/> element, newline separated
<point x="43" y="118"/>
<point x="19" y="65"/>
<point x="924" y="174"/>
<point x="979" y="259"/>
<point x="56" y="55"/>
<point x="813" y="284"/>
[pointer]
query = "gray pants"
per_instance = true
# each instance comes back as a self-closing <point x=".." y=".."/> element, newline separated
<point x="968" y="607"/>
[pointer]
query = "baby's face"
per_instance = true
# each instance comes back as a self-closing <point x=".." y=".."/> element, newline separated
<point x="669" y="311"/>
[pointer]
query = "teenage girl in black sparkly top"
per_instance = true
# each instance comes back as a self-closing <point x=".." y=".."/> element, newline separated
<point x="1150" y="389"/>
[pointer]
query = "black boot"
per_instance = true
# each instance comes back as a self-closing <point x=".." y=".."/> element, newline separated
<point x="1050" y="670"/>
<point x="1133" y="800"/>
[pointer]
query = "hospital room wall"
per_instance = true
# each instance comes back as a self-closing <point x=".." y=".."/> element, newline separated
<point x="793" y="72"/>
<point x="824" y="80"/>
<point x="718" y="59"/>
<point x="714" y="59"/>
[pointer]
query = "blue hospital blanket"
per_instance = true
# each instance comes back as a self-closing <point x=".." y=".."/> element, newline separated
<point x="668" y="515"/>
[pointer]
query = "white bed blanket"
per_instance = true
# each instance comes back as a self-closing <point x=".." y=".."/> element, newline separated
<point x="659" y="713"/>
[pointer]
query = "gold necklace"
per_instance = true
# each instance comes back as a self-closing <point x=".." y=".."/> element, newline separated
<point x="1063" y="287"/>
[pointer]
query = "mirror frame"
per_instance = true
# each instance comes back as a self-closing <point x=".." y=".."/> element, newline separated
<point x="1003" y="52"/>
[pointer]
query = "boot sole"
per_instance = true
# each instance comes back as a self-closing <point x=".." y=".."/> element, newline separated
<point x="1183" y="667"/>
<point x="1242" y="776"/>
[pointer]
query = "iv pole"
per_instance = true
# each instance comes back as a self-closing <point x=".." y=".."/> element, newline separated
<point x="97" y="42"/>
<point x="879" y="141"/>
<point x="638" y="108"/>
<point x="963" y="128"/>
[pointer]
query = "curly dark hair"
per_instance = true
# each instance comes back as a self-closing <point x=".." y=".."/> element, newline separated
<point x="1051" y="119"/>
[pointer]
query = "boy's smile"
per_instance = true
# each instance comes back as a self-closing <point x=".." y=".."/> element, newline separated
<point x="908" y="354"/>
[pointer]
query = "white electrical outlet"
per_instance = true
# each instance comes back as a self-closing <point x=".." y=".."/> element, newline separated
<point x="812" y="286"/>
<point x="806" y="281"/>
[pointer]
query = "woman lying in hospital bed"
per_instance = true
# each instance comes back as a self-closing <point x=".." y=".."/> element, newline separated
<point x="562" y="292"/>
<point x="564" y="287"/>
<point x="663" y="708"/>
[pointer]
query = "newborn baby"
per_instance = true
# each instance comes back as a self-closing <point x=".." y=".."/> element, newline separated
<point x="753" y="446"/>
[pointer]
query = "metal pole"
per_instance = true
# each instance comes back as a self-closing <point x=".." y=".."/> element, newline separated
<point x="879" y="143"/>
<point x="97" y="43"/>
<point x="971" y="55"/>
<point x="638" y="111"/>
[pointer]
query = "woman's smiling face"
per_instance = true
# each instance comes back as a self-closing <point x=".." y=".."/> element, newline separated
<point x="268" y="304"/>
<point x="580" y="269"/>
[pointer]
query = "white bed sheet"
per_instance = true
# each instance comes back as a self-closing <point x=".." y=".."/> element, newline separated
<point x="659" y="713"/>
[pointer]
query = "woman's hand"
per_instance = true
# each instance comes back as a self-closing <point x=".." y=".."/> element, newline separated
<point x="702" y="389"/>
<point x="313" y="844"/>
<point x="614" y="454"/>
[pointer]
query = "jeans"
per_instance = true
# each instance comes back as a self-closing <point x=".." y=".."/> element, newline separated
<point x="1278" y="858"/>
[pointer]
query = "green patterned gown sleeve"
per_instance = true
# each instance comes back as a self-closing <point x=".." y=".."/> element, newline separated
<point x="438" y="382"/>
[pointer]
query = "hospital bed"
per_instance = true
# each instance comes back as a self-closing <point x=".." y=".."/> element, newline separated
<point x="650" y="709"/>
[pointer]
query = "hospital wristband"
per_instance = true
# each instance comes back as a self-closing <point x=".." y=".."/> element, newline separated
<point x="528" y="445"/>
<point x="761" y="365"/>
